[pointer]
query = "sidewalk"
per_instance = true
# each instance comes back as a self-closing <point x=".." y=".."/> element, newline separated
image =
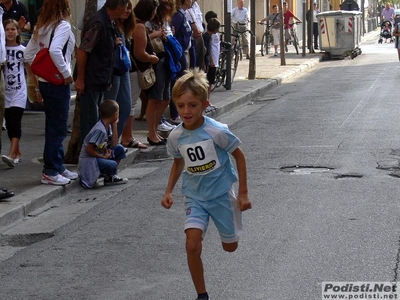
<point x="24" y="179"/>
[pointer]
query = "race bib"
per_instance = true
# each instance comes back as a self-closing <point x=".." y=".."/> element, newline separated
<point x="200" y="158"/>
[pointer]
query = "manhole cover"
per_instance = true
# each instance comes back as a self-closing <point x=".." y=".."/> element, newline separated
<point x="305" y="170"/>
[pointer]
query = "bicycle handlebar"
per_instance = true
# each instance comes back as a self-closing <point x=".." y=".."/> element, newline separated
<point x="295" y="23"/>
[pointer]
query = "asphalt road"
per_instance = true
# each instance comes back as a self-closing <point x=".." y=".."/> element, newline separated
<point x="323" y="160"/>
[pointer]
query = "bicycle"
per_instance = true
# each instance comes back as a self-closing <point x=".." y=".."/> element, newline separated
<point x="293" y="39"/>
<point x="267" y="39"/>
<point x="235" y="48"/>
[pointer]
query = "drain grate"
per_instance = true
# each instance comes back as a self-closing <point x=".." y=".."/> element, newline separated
<point x="305" y="170"/>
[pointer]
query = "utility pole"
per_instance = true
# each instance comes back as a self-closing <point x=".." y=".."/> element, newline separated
<point x="282" y="33"/>
<point x="227" y="30"/>
<point x="252" y="63"/>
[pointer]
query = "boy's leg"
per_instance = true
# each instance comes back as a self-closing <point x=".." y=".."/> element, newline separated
<point x="228" y="220"/>
<point x="107" y="166"/>
<point x="196" y="223"/>
<point x="193" y="250"/>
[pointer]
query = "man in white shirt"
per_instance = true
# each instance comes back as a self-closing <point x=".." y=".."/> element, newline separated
<point x="195" y="18"/>
<point x="240" y="18"/>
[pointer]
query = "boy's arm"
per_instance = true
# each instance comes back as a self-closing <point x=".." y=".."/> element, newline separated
<point x="91" y="150"/>
<point x="176" y="171"/>
<point x="243" y="199"/>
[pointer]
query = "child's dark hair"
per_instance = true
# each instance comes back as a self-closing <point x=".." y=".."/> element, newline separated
<point x="213" y="25"/>
<point x="15" y="23"/>
<point x="108" y="108"/>
<point x="209" y="15"/>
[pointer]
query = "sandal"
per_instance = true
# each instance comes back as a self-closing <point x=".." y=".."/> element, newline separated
<point x="135" y="143"/>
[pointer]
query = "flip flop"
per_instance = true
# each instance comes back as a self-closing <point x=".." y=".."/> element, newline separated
<point x="135" y="143"/>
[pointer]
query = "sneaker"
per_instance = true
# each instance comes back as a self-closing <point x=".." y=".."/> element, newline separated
<point x="164" y="127"/>
<point x="55" y="180"/>
<point x="173" y="126"/>
<point x="17" y="160"/>
<point x="70" y="175"/>
<point x="8" y="161"/>
<point x="175" y="121"/>
<point x="276" y="54"/>
<point x="114" y="180"/>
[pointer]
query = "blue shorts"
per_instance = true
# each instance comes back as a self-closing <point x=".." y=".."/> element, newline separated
<point x="223" y="211"/>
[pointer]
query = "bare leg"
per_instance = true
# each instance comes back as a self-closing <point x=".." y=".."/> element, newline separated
<point x="127" y="135"/>
<point x="151" y="119"/>
<point x="193" y="251"/>
<point x="14" y="149"/>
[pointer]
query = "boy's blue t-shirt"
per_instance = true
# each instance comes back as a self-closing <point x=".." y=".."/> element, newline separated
<point x="208" y="171"/>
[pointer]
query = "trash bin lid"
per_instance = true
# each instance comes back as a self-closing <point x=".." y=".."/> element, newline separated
<point x="339" y="12"/>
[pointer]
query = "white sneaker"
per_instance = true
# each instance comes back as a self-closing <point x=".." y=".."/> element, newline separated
<point x="173" y="126"/>
<point x="55" y="180"/>
<point x="8" y="161"/>
<point x="17" y="160"/>
<point x="175" y="121"/>
<point x="70" y="175"/>
<point x="164" y="127"/>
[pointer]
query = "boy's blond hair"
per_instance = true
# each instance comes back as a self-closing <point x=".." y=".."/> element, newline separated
<point x="108" y="108"/>
<point x="194" y="80"/>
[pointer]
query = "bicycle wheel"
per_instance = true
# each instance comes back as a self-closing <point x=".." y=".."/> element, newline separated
<point x="296" y="43"/>
<point x="220" y="71"/>
<point x="234" y="64"/>
<point x="268" y="43"/>
<point x="263" y="44"/>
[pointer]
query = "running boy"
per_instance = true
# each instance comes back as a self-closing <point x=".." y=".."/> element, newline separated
<point x="201" y="147"/>
<point x="101" y="153"/>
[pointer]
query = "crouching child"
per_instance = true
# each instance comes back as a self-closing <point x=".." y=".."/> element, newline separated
<point x="101" y="153"/>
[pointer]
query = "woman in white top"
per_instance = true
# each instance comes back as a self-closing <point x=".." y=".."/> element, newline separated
<point x="53" y="31"/>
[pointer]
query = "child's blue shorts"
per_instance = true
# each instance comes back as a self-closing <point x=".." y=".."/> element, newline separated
<point x="223" y="211"/>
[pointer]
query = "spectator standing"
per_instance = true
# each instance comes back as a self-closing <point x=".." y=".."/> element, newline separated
<point x="15" y="9"/>
<point x="159" y="95"/>
<point x="213" y="26"/>
<point x="201" y="147"/>
<point x="183" y="33"/>
<point x="16" y="89"/>
<point x="143" y="55"/>
<point x="240" y="18"/>
<point x="101" y="153"/>
<point x="127" y="139"/>
<point x="121" y="86"/>
<point x="287" y="16"/>
<point x="396" y="33"/>
<point x="388" y="13"/>
<point x="56" y="14"/>
<point x="274" y="19"/>
<point x="195" y="18"/>
<point x="4" y="193"/>
<point x="311" y="16"/>
<point x="96" y="60"/>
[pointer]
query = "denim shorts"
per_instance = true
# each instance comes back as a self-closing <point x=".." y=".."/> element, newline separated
<point x="161" y="90"/>
<point x="223" y="211"/>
